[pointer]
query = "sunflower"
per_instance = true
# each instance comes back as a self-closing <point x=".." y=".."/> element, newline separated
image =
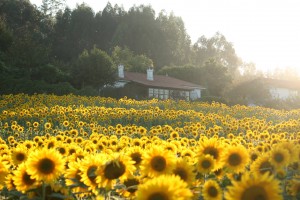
<point x="254" y="187"/>
<point x="9" y="183"/>
<point x="88" y="168"/>
<point x="157" y="161"/>
<point x="294" y="188"/>
<point x="171" y="147"/>
<point x="211" y="190"/>
<point x="45" y="164"/>
<point x="253" y="155"/>
<point x="187" y="153"/>
<point x="3" y="173"/>
<point x="22" y="180"/>
<point x="116" y="166"/>
<point x="131" y="184"/>
<point x="279" y="157"/>
<point x="66" y="123"/>
<point x="73" y="178"/>
<point x="214" y="148"/>
<point x="164" y="187"/>
<point x="19" y="154"/>
<point x="47" y="125"/>
<point x="136" y="154"/>
<point x="174" y="135"/>
<point x="184" y="170"/>
<point x="29" y="144"/>
<point x="62" y="148"/>
<point x="262" y="165"/>
<point x="235" y="158"/>
<point x="205" y="164"/>
<point x="137" y="142"/>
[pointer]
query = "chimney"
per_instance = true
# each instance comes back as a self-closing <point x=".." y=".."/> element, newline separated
<point x="150" y="74"/>
<point x="121" y="71"/>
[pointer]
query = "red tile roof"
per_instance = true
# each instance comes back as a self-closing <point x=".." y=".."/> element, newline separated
<point x="160" y="81"/>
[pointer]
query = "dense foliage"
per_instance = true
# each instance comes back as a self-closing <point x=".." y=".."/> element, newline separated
<point x="47" y="44"/>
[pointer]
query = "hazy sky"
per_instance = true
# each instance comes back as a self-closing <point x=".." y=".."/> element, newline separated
<point x="266" y="32"/>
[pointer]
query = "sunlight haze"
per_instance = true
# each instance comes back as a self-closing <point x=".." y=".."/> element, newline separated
<point x="266" y="33"/>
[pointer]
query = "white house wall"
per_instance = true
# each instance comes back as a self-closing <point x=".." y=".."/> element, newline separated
<point x="283" y="93"/>
<point x="195" y="94"/>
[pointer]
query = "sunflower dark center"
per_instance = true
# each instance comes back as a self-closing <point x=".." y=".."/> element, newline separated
<point x="265" y="167"/>
<point x="278" y="157"/>
<point x="254" y="157"/>
<point x="187" y="154"/>
<point x="71" y="151"/>
<point x="255" y="193"/>
<point x="130" y="183"/>
<point x="50" y="145"/>
<point x="91" y="172"/>
<point x="20" y="156"/>
<point x="158" y="196"/>
<point x="158" y="163"/>
<point x="182" y="173"/>
<point x="212" y="151"/>
<point x="114" y="170"/>
<point x="212" y="191"/>
<point x="205" y="164"/>
<point x="234" y="159"/>
<point x="27" y="180"/>
<point x="62" y="151"/>
<point x="137" y="157"/>
<point x="46" y="166"/>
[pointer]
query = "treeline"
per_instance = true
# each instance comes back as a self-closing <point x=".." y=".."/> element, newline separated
<point x="55" y="49"/>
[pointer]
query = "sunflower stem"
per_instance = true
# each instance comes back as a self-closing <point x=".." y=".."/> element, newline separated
<point x="44" y="191"/>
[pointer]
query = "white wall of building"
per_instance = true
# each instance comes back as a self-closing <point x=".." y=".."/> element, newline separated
<point x="282" y="93"/>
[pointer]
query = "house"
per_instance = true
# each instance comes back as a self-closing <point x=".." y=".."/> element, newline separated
<point x="283" y="89"/>
<point x="158" y="86"/>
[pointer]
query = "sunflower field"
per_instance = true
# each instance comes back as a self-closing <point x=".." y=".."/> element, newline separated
<point x="75" y="147"/>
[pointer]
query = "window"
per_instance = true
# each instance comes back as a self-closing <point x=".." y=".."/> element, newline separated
<point x="151" y="92"/>
<point x="166" y="94"/>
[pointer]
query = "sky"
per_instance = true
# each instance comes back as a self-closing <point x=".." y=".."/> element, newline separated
<point x="265" y="32"/>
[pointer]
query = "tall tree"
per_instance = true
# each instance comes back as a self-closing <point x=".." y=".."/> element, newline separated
<point x="218" y="48"/>
<point x="138" y="31"/>
<point x="215" y="78"/>
<point x="29" y="48"/>
<point x="106" y="24"/>
<point x="81" y="29"/>
<point x="93" y="68"/>
<point x="175" y="42"/>
<point x="62" y="44"/>
<point x="51" y="7"/>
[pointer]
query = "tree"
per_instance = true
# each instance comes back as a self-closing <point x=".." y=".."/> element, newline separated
<point x="81" y="30"/>
<point x="133" y="63"/>
<point x="252" y="91"/>
<point x="106" y="24"/>
<point x="215" y="78"/>
<point x="30" y="46"/>
<point x="174" y="42"/>
<point x="6" y="37"/>
<point x="218" y="48"/>
<point x="51" y="7"/>
<point x="187" y="72"/>
<point x="93" y="68"/>
<point x="62" y="44"/>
